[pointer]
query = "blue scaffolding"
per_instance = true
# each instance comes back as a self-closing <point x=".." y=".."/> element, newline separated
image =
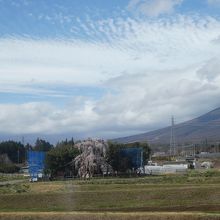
<point x="135" y="154"/>
<point x="36" y="164"/>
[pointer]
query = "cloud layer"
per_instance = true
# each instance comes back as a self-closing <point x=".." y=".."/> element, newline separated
<point x="149" y="70"/>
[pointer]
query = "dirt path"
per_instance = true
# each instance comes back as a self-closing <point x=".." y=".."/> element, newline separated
<point x="109" y="215"/>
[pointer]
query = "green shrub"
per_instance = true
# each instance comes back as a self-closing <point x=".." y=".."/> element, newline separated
<point x="8" y="168"/>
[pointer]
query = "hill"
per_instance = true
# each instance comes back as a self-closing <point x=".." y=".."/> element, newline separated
<point x="203" y="128"/>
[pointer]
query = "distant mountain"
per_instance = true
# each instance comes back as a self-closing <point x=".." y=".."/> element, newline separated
<point x="205" y="127"/>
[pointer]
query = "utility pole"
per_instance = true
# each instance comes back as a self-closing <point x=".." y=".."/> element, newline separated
<point x="25" y="153"/>
<point x="22" y="140"/>
<point x="142" y="161"/>
<point x="18" y="155"/>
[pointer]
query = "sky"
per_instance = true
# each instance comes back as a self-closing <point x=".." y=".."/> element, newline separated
<point x="106" y="68"/>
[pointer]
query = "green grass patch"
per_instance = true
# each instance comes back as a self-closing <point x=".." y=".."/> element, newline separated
<point x="9" y="177"/>
<point x="14" y="188"/>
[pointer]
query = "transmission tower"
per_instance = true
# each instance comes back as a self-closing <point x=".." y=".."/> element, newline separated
<point x="172" y="139"/>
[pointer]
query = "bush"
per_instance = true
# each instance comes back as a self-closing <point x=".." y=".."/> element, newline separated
<point x="8" y="168"/>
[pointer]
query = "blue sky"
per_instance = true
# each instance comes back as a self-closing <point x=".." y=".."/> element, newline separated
<point x="106" y="68"/>
<point x="55" y="19"/>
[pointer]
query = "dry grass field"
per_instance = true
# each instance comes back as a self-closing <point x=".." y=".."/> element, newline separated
<point x="191" y="196"/>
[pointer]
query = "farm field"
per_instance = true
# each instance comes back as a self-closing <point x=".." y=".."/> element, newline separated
<point x="11" y="177"/>
<point x="191" y="196"/>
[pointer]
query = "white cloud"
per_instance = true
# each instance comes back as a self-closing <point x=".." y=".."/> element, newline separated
<point x="140" y="103"/>
<point x="154" y="8"/>
<point x="151" y="70"/>
<point x="211" y="70"/>
<point x="45" y="118"/>
<point x="86" y="63"/>
<point x="45" y="61"/>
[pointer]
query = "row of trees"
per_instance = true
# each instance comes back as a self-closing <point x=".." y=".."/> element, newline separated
<point x="16" y="151"/>
<point x="59" y="158"/>
<point x="13" y="153"/>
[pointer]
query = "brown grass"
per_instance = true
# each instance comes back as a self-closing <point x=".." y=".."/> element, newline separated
<point x="42" y="187"/>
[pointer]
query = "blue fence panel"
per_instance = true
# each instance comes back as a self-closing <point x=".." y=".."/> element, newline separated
<point x="36" y="163"/>
<point x="135" y="154"/>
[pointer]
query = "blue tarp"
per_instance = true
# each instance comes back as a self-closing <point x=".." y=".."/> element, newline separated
<point x="36" y="163"/>
<point x="135" y="154"/>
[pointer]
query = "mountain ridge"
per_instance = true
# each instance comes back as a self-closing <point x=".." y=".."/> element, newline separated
<point x="205" y="127"/>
